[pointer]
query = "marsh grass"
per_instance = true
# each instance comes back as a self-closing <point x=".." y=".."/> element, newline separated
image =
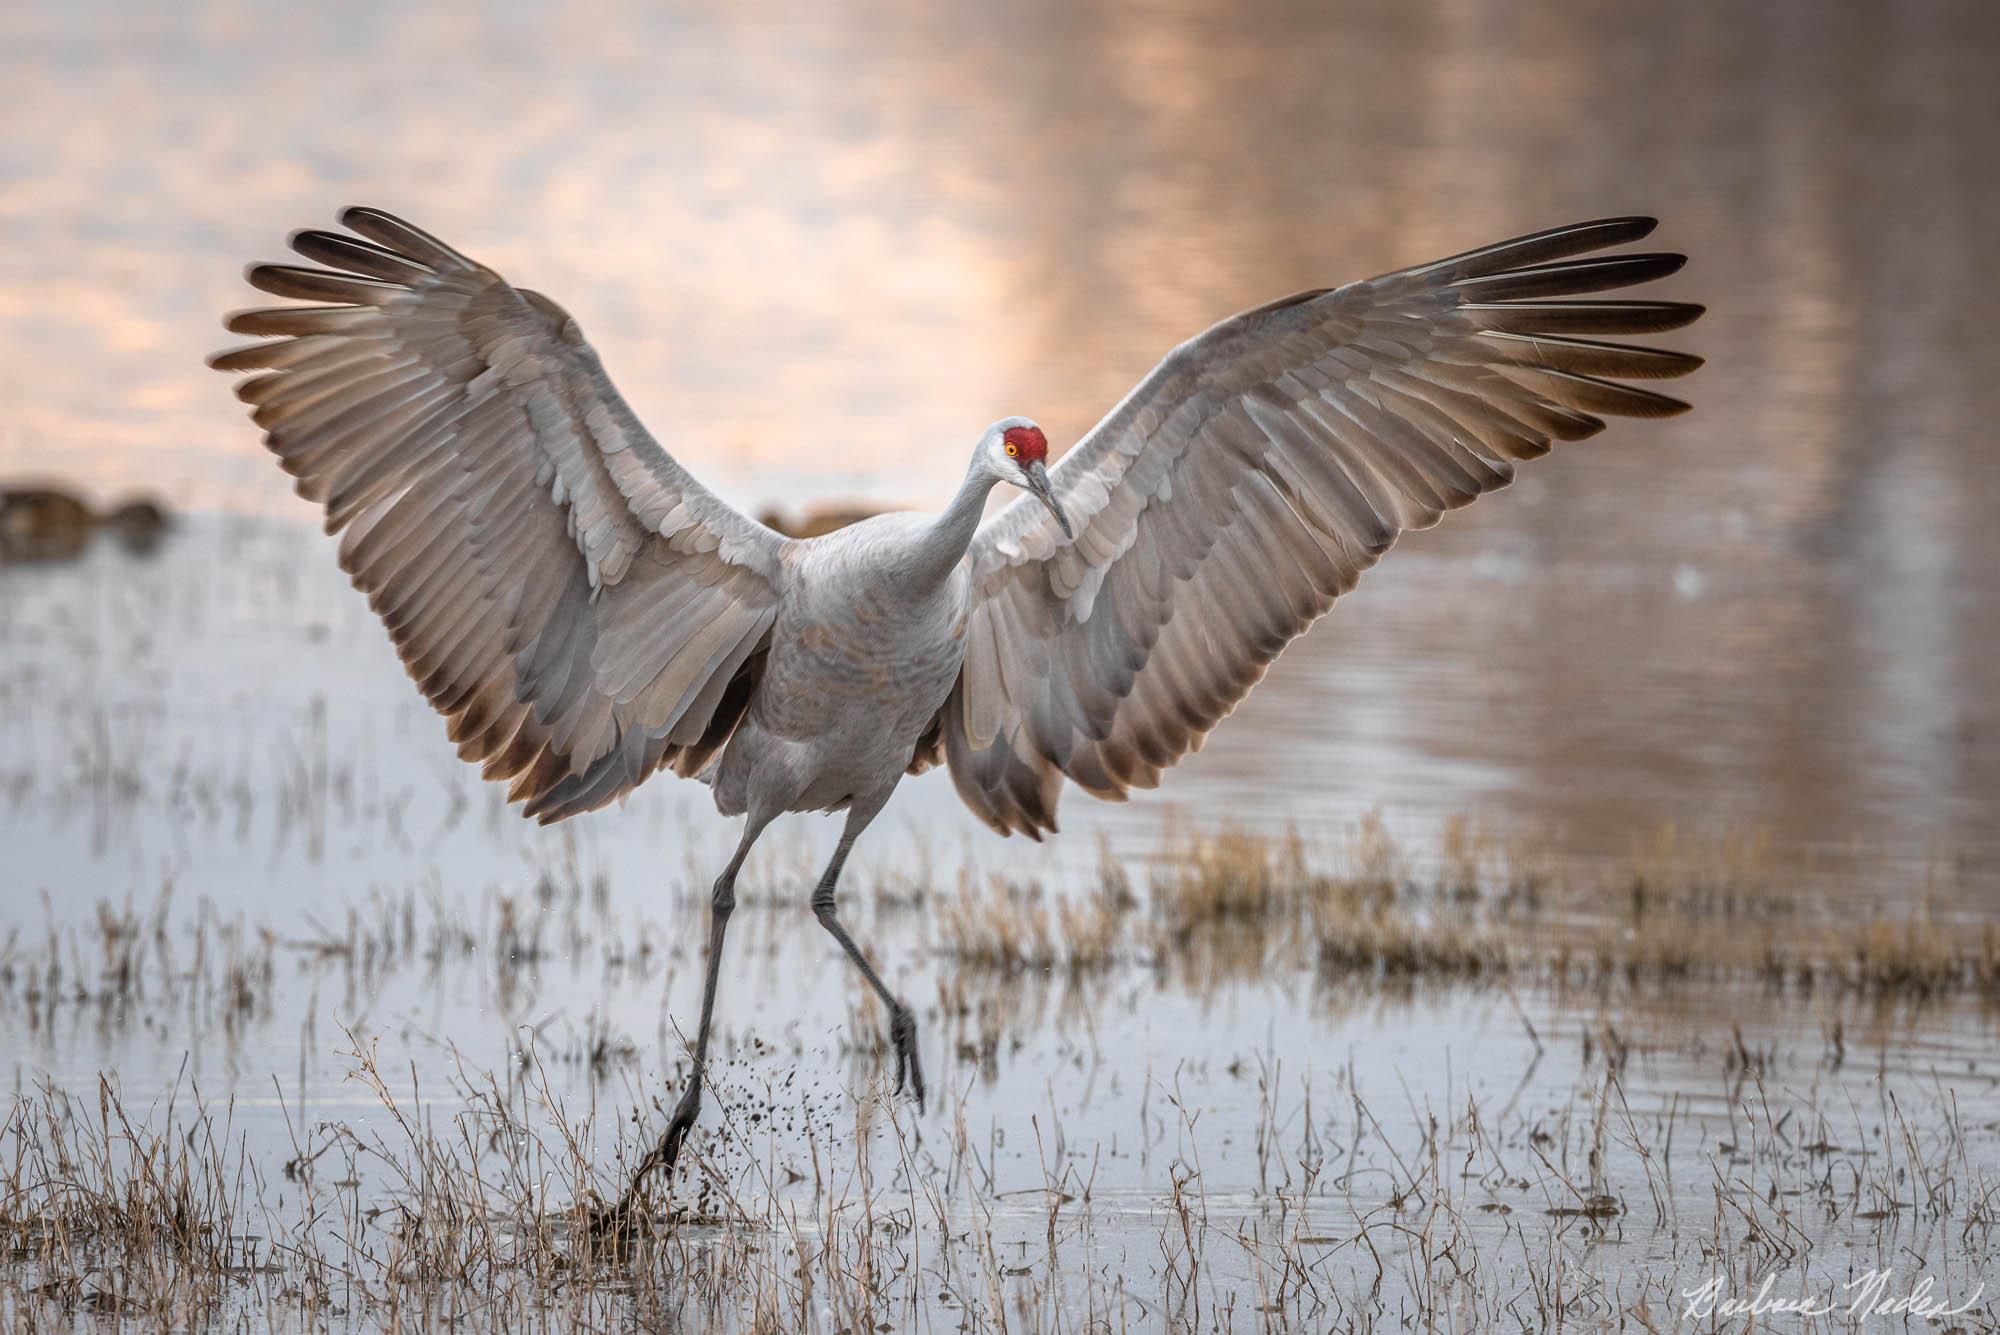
<point x="476" y="1219"/>
<point x="1229" y="902"/>
<point x="105" y="1216"/>
<point x="1009" y="927"/>
<point x="480" y="1218"/>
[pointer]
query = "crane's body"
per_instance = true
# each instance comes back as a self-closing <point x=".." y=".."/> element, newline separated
<point x="585" y="613"/>
<point x="868" y="641"/>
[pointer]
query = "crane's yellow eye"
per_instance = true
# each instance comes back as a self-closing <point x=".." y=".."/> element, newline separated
<point x="1013" y="450"/>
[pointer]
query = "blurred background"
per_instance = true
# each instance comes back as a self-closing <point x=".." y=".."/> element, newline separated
<point x="819" y="246"/>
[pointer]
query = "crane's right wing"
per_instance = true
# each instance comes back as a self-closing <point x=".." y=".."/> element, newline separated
<point x="1250" y="479"/>
<point x="578" y="607"/>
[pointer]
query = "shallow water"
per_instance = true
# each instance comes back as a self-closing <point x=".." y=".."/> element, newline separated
<point x="819" y="249"/>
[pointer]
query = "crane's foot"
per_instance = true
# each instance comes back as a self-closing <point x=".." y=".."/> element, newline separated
<point x="685" y="1112"/>
<point x="903" y="1031"/>
<point x="621" y="1219"/>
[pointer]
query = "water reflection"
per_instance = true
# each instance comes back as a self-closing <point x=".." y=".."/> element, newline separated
<point x="819" y="248"/>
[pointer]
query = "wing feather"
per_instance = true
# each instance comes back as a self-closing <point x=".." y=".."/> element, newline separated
<point x="1250" y="480"/>
<point x="578" y="607"/>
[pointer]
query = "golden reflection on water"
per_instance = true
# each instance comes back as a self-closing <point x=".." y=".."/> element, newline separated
<point x="820" y="247"/>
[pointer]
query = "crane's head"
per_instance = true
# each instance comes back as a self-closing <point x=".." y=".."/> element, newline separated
<point x="1015" y="450"/>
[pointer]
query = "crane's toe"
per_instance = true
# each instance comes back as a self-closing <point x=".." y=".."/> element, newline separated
<point x="903" y="1031"/>
<point x="624" y="1220"/>
<point x="685" y="1113"/>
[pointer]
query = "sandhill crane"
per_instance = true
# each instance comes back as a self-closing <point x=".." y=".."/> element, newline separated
<point x="584" y="612"/>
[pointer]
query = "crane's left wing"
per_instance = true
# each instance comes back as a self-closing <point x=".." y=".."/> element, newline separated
<point x="578" y="606"/>
<point x="1250" y="479"/>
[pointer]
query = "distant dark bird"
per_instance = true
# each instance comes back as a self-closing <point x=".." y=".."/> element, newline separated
<point x="584" y="612"/>
<point x="46" y="523"/>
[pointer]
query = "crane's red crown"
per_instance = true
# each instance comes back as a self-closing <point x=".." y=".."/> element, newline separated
<point x="1026" y="443"/>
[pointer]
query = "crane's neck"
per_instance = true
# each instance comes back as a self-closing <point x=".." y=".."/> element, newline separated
<point x="945" y="541"/>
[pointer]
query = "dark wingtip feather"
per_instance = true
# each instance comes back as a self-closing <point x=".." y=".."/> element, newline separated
<point x="236" y="359"/>
<point x="258" y="385"/>
<point x="269" y="321"/>
<point x="1568" y="278"/>
<point x="1555" y="243"/>
<point x="1622" y="227"/>
<point x="1650" y="263"/>
<point x="1589" y="394"/>
<point x="405" y="238"/>
<point x="296" y="281"/>
<point x="1632" y="226"/>
<point x="1618" y="361"/>
<point x="362" y="218"/>
<point x="1582" y="317"/>
<point x="358" y="256"/>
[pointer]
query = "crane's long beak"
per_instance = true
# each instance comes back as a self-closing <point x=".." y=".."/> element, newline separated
<point x="1038" y="482"/>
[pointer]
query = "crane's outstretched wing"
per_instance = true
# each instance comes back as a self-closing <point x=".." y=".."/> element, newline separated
<point x="580" y="609"/>
<point x="1250" y="479"/>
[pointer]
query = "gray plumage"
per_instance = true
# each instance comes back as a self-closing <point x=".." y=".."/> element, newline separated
<point x="584" y="612"/>
<point x="1250" y="479"/>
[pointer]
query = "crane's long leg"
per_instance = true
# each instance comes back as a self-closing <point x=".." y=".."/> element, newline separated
<point x="902" y="1020"/>
<point x="721" y="903"/>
